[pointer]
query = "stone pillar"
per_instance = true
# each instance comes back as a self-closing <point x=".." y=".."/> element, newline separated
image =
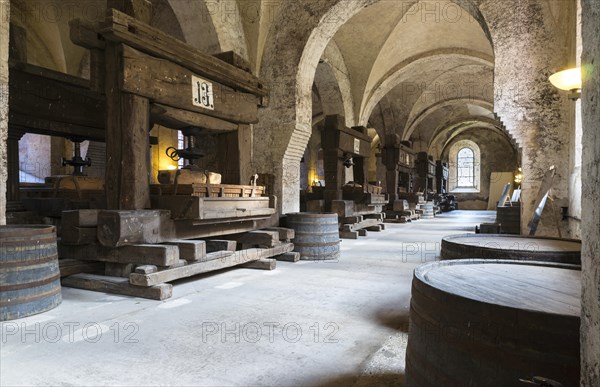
<point x="529" y="46"/>
<point x="590" y="313"/>
<point x="4" y="39"/>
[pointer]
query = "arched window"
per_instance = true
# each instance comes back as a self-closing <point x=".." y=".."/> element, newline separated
<point x="465" y="162"/>
<point x="464" y="157"/>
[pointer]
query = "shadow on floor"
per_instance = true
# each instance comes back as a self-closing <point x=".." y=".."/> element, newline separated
<point x="395" y="319"/>
<point x="387" y="380"/>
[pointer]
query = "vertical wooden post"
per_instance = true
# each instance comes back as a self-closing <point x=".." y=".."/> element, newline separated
<point x="391" y="158"/>
<point x="12" y="183"/>
<point x="245" y="145"/>
<point x="127" y="126"/>
<point x="127" y="141"/>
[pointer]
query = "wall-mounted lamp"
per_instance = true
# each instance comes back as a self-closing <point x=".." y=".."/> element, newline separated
<point x="569" y="80"/>
<point x="519" y="176"/>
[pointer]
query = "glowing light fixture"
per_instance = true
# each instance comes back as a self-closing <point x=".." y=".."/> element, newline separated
<point x="519" y="176"/>
<point x="171" y="167"/>
<point x="569" y="80"/>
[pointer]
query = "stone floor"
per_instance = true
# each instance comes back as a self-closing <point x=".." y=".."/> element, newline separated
<point x="308" y="323"/>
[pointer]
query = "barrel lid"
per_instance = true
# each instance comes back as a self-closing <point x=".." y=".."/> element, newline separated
<point x="516" y="242"/>
<point x="535" y="286"/>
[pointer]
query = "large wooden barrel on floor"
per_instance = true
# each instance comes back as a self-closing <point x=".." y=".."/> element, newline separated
<point x="29" y="272"/>
<point x="493" y="246"/>
<point x="428" y="211"/>
<point x="317" y="235"/>
<point x="492" y="323"/>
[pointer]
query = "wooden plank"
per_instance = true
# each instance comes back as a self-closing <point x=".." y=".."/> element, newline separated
<point x="80" y="218"/>
<point x="121" y="228"/>
<point x="190" y="250"/>
<point x="262" y="264"/>
<point x="362" y="232"/>
<point x="46" y="103"/>
<point x="159" y="255"/>
<point x="377" y="228"/>
<point x="349" y="234"/>
<point x="288" y="257"/>
<point x="117" y="285"/>
<point x="233" y="259"/>
<point x="285" y="234"/>
<point x="261" y="238"/>
<point x="178" y="119"/>
<point x="146" y="269"/>
<point x="170" y="84"/>
<point x="190" y="229"/>
<point x="362" y="225"/>
<point x="78" y="235"/>
<point x="220" y="245"/>
<point x="74" y="266"/>
<point x="193" y="207"/>
<point x="118" y="269"/>
<point x="120" y="27"/>
<point x="213" y="190"/>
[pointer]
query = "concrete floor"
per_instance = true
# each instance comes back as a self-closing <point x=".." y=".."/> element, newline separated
<point x="308" y="323"/>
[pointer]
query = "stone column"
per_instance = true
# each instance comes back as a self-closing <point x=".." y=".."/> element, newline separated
<point x="590" y="313"/>
<point x="530" y="45"/>
<point x="4" y="39"/>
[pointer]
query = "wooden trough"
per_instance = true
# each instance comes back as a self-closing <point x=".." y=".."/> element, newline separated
<point x="493" y="323"/>
<point x="491" y="246"/>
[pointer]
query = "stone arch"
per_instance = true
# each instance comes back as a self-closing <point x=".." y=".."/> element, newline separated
<point x="294" y="46"/>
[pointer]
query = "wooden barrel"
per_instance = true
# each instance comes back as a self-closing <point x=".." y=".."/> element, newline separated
<point x="509" y="219"/>
<point x="516" y="247"/>
<point x="428" y="211"/>
<point x="317" y="235"/>
<point x="29" y="272"/>
<point x="492" y="323"/>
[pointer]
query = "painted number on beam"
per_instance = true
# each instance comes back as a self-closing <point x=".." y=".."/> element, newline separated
<point x="202" y="93"/>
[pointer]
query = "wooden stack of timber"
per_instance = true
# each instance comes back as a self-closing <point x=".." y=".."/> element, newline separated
<point x="351" y="227"/>
<point x="357" y="221"/>
<point x="142" y="252"/>
<point x="401" y="213"/>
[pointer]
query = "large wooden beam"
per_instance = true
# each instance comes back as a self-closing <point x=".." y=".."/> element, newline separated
<point x="122" y="228"/>
<point x="122" y="28"/>
<point x="178" y="119"/>
<point x="232" y="259"/>
<point x="117" y="285"/>
<point x="170" y="84"/>
<point x="46" y="102"/>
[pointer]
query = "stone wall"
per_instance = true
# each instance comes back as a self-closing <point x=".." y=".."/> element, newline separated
<point x="4" y="38"/>
<point x="590" y="316"/>
<point x="497" y="155"/>
<point x="531" y="42"/>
